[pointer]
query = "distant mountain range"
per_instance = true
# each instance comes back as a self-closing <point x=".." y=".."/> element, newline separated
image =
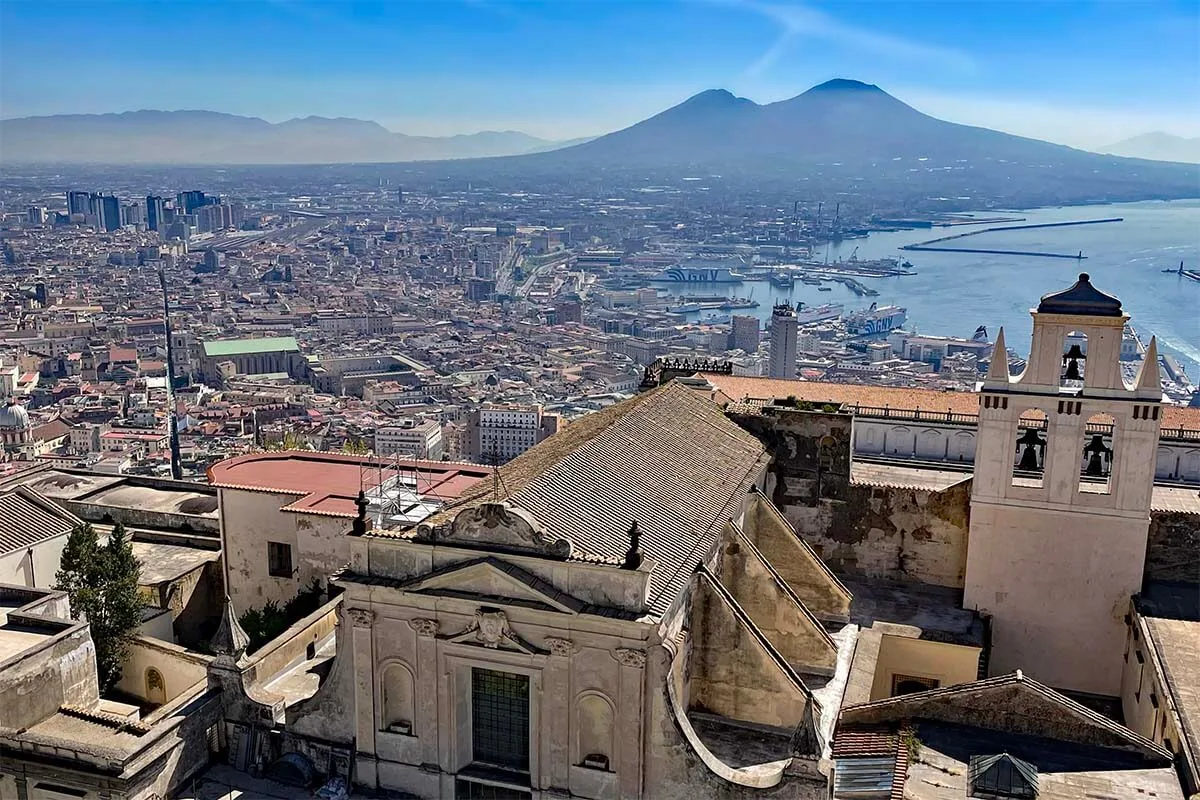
<point x="1157" y="146"/>
<point x="208" y="137"/>
<point x="842" y="139"/>
<point x="855" y="139"/>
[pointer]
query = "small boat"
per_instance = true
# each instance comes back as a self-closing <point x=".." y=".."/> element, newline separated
<point x="824" y="288"/>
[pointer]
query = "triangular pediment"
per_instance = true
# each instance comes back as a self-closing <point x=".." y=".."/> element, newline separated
<point x="1008" y="704"/>
<point x="497" y="582"/>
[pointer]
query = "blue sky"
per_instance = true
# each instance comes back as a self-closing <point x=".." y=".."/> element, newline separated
<point x="1083" y="73"/>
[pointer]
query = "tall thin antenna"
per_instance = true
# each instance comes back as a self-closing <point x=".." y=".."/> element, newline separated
<point x="172" y="423"/>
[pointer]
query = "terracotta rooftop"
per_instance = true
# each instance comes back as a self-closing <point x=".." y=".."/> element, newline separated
<point x="327" y="483"/>
<point x="736" y="388"/>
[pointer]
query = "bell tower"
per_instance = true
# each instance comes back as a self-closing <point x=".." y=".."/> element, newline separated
<point x="1060" y="503"/>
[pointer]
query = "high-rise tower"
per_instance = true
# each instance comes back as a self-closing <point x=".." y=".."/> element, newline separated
<point x="783" y="342"/>
<point x="1060" y="503"/>
<point x="745" y="333"/>
<point x="155" y="212"/>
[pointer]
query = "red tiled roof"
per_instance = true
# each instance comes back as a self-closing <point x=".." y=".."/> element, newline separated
<point x="864" y="742"/>
<point x="328" y="483"/>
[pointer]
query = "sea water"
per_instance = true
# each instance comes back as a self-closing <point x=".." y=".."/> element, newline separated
<point x="953" y="293"/>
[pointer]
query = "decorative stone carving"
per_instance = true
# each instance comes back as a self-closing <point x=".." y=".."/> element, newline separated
<point x="559" y="647"/>
<point x="425" y="627"/>
<point x="361" y="617"/>
<point x="491" y="627"/>
<point x="630" y="658"/>
<point x="500" y="525"/>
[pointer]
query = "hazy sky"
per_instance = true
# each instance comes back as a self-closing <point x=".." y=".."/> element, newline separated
<point x="1081" y="73"/>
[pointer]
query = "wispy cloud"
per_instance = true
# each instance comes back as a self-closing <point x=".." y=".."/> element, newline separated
<point x="798" y="22"/>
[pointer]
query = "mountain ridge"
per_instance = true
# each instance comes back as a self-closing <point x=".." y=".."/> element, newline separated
<point x="202" y="136"/>
<point x="1157" y="146"/>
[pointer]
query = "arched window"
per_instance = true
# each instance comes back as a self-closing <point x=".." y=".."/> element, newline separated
<point x="594" y="731"/>
<point x="156" y="687"/>
<point x="1074" y="359"/>
<point x="1096" y="457"/>
<point x="1029" y="459"/>
<point x="931" y="445"/>
<point x="397" y="702"/>
<point x="900" y="441"/>
<point x="962" y="447"/>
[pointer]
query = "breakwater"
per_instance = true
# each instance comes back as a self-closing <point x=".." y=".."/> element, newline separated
<point x="937" y="245"/>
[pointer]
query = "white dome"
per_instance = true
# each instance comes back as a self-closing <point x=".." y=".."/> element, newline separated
<point x="14" y="415"/>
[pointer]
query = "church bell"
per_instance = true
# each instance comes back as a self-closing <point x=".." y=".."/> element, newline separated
<point x="1071" y="360"/>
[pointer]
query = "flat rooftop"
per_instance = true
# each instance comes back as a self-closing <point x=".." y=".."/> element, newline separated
<point x="14" y="637"/>
<point x="62" y="485"/>
<point x="146" y="498"/>
<point x="737" y="388"/>
<point x="328" y="483"/>
<point x="166" y="562"/>
<point x="240" y="347"/>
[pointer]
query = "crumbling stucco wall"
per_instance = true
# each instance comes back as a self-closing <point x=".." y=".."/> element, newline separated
<point x="1173" y="547"/>
<point x="896" y="533"/>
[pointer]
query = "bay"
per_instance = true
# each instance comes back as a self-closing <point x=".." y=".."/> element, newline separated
<point x="953" y="293"/>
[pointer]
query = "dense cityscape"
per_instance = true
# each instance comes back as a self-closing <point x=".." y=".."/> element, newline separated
<point x="476" y="405"/>
<point x="403" y="323"/>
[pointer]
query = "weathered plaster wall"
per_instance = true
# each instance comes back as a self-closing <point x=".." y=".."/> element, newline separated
<point x="1173" y="548"/>
<point x="180" y="669"/>
<point x="251" y="519"/>
<point x="797" y="636"/>
<point x="676" y="772"/>
<point x="795" y="561"/>
<point x="896" y="533"/>
<point x="35" y="566"/>
<point x="904" y="534"/>
<point x="810" y="450"/>
<point x="729" y="672"/>
<point x="35" y="684"/>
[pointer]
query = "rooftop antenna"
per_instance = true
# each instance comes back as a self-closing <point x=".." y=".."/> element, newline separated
<point x="172" y="423"/>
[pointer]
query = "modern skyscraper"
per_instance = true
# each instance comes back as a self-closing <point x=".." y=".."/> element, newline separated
<point x="155" y="212"/>
<point x="187" y="202"/>
<point x="107" y="209"/>
<point x="783" y="342"/>
<point x="79" y="203"/>
<point x="745" y="333"/>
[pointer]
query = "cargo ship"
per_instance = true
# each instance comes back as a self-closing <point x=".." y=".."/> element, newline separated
<point x="876" y="320"/>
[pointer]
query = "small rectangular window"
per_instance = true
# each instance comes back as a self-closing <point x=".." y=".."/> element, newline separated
<point x="279" y="559"/>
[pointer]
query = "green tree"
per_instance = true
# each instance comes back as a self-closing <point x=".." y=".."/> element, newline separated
<point x="102" y="584"/>
<point x="356" y="447"/>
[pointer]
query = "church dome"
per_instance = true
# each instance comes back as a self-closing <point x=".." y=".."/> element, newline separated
<point x="1081" y="299"/>
<point x="14" y="415"/>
